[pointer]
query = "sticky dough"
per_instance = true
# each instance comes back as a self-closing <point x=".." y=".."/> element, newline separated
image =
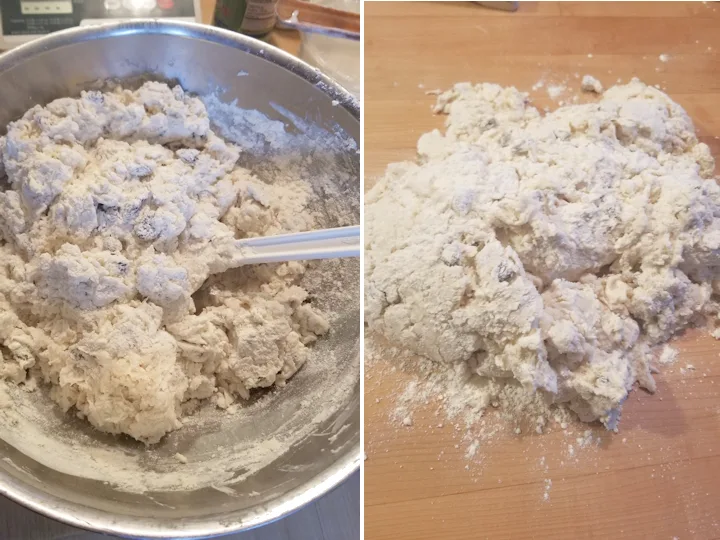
<point x="115" y="209"/>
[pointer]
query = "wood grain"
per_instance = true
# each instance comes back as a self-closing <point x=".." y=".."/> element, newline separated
<point x="335" y="516"/>
<point x="659" y="477"/>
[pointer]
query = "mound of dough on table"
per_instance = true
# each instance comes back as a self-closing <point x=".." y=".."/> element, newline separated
<point x="550" y="251"/>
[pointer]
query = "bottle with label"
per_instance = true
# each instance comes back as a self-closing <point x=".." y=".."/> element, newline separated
<point x="252" y="17"/>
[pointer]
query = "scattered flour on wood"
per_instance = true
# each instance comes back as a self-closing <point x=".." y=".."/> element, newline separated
<point x="556" y="90"/>
<point x="547" y="484"/>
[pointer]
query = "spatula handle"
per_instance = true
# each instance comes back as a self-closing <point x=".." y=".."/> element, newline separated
<point x="320" y="244"/>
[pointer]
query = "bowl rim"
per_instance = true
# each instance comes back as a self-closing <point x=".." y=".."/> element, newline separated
<point x="84" y="517"/>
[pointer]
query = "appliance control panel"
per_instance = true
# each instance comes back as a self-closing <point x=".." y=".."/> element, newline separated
<point x="24" y="19"/>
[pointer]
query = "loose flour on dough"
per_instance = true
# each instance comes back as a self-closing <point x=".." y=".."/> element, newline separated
<point x="116" y="208"/>
<point x="545" y="253"/>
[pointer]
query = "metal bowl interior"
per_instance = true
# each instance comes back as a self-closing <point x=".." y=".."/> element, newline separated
<point x="309" y="432"/>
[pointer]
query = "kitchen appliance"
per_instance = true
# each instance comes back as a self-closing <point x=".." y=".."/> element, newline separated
<point x="24" y="20"/>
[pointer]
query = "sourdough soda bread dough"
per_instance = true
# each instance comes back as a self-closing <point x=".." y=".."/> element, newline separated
<point x="117" y="215"/>
<point x="543" y="257"/>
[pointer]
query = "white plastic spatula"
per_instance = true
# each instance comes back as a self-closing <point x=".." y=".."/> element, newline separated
<point x="320" y="244"/>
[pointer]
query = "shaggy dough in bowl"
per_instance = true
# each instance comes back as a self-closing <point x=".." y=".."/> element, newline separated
<point x="117" y="215"/>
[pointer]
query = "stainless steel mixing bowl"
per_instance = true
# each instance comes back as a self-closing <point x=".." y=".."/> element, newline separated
<point x="64" y="483"/>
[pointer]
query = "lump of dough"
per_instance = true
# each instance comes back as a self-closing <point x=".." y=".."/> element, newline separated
<point x="18" y="344"/>
<point x="123" y="376"/>
<point x="84" y="279"/>
<point x="591" y="84"/>
<point x="590" y="347"/>
<point x="263" y="344"/>
<point x="203" y="345"/>
<point x="165" y="283"/>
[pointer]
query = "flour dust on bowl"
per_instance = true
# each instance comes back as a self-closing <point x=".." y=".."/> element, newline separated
<point x="277" y="143"/>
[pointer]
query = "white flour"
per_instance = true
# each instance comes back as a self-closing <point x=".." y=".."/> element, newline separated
<point x="536" y="261"/>
<point x="556" y="90"/>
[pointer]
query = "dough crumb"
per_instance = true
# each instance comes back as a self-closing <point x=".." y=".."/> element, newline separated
<point x="591" y="84"/>
<point x="689" y="368"/>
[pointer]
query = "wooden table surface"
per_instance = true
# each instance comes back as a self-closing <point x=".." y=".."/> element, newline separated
<point x="334" y="516"/>
<point x="659" y="477"/>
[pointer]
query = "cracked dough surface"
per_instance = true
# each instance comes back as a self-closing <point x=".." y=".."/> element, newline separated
<point x="115" y="209"/>
<point x="551" y="250"/>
